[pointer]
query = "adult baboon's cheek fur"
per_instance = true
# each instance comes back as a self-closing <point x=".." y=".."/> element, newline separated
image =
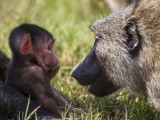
<point x="119" y="67"/>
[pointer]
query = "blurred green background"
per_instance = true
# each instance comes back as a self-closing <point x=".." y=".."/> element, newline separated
<point x="69" y="21"/>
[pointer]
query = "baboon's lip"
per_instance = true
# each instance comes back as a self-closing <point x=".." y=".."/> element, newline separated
<point x="84" y="83"/>
<point x="103" y="88"/>
<point x="103" y="78"/>
<point x="55" y="67"/>
<point x="94" y="83"/>
<point x="97" y="79"/>
<point x="91" y="80"/>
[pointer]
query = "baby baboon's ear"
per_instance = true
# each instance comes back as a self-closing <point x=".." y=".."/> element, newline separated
<point x="117" y="4"/>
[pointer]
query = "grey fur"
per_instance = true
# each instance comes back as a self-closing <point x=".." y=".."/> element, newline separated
<point x="140" y="73"/>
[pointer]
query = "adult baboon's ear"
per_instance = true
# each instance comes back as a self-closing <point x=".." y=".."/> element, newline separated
<point x="133" y="38"/>
<point x="117" y="4"/>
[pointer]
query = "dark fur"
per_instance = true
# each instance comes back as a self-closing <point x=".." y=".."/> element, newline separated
<point x="13" y="105"/>
<point x="34" y="64"/>
<point x="30" y="73"/>
<point x="4" y="62"/>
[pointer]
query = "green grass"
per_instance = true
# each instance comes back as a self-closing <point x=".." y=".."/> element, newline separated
<point x="68" y="21"/>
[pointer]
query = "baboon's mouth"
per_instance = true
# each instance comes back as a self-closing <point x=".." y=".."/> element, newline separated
<point x="55" y="68"/>
<point x="103" y="88"/>
<point x="87" y="81"/>
<point x="96" y="81"/>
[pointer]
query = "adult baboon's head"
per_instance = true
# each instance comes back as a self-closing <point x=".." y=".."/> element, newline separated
<point x="124" y="49"/>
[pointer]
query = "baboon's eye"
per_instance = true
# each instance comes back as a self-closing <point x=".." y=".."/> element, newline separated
<point x="49" y="47"/>
<point x="133" y="39"/>
<point x="98" y="37"/>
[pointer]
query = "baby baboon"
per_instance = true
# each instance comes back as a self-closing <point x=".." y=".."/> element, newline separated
<point x="126" y="53"/>
<point x="33" y="65"/>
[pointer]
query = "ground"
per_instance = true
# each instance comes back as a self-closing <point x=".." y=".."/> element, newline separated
<point x="69" y="21"/>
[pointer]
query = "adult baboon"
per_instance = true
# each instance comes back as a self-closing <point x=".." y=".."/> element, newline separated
<point x="126" y="53"/>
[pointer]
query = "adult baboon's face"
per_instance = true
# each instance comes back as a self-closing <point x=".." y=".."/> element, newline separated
<point x="112" y="63"/>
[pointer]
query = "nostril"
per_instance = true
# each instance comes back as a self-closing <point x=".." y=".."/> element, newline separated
<point x="47" y="65"/>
